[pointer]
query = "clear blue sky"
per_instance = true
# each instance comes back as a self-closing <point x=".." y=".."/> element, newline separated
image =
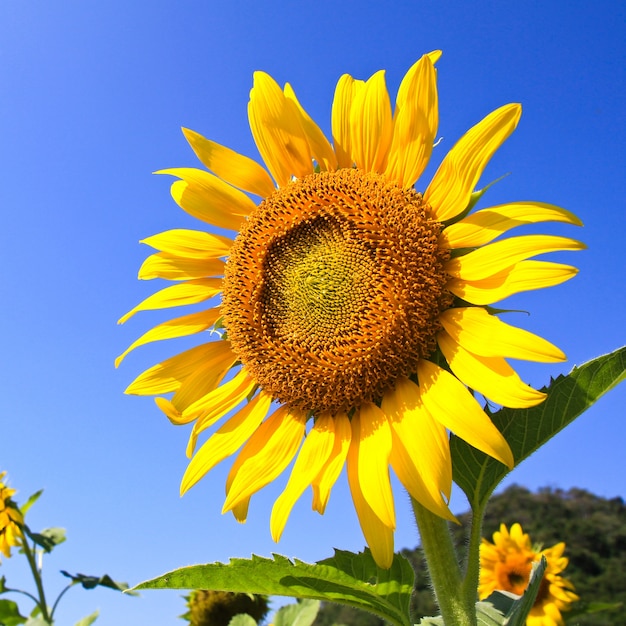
<point x="92" y="98"/>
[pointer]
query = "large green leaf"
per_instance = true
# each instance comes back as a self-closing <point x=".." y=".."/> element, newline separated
<point x="528" y="429"/>
<point x="10" y="614"/>
<point x="346" y="578"/>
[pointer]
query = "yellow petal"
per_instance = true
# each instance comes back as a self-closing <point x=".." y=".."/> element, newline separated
<point x="320" y="148"/>
<point x="209" y="198"/>
<point x="523" y="276"/>
<point x="451" y="404"/>
<point x="371" y="429"/>
<point x="232" y="167"/>
<point x="266" y="454"/>
<point x="170" y="267"/>
<point x="315" y="452"/>
<point x="189" y="292"/>
<point x="206" y="377"/>
<point x="491" y="376"/>
<point x="179" y="327"/>
<point x="420" y="455"/>
<point x="416" y="119"/>
<point x="379" y="536"/>
<point x="327" y="476"/>
<point x="495" y="257"/>
<point x="371" y="124"/>
<point x="345" y="92"/>
<point x="450" y="189"/>
<point x="483" y="226"/>
<point x="275" y="125"/>
<point x="226" y="440"/>
<point x="486" y="335"/>
<point x="168" y="375"/>
<point x="217" y="403"/>
<point x="194" y="244"/>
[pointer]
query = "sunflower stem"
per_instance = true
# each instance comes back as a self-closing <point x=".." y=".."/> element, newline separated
<point x="470" y="582"/>
<point x="444" y="569"/>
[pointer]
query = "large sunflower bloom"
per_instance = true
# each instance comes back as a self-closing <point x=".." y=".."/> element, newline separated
<point x="10" y="519"/>
<point x="351" y="300"/>
<point x="506" y="566"/>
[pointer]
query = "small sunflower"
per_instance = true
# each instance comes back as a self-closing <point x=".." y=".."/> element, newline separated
<point x="506" y="566"/>
<point x="353" y="316"/>
<point x="10" y="519"/>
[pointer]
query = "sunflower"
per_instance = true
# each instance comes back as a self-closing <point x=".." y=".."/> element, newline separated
<point x="352" y="318"/>
<point x="506" y="565"/>
<point x="10" y="519"/>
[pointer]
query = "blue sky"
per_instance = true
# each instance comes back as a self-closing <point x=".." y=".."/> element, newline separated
<point x="92" y="98"/>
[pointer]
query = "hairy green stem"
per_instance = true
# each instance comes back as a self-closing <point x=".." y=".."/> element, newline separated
<point x="443" y="567"/>
<point x="470" y="582"/>
<point x="30" y="557"/>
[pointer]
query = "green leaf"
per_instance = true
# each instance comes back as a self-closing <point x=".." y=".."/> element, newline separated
<point x="3" y="586"/>
<point x="90" y="582"/>
<point x="300" y="614"/>
<point x="243" y="619"/>
<point x="90" y="619"/>
<point x="47" y="538"/>
<point x="10" y="614"/>
<point x="24" y="507"/>
<point x="346" y="578"/>
<point x="528" y="429"/>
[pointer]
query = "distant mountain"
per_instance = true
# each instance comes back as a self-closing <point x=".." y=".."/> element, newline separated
<point x="593" y="528"/>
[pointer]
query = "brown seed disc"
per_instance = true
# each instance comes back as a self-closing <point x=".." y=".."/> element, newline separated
<point x="333" y="289"/>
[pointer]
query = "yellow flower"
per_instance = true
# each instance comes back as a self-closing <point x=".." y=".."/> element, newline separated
<point x="351" y="300"/>
<point x="10" y="519"/>
<point x="506" y="563"/>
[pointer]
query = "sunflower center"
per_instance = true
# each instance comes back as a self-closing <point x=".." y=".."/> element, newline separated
<point x="333" y="289"/>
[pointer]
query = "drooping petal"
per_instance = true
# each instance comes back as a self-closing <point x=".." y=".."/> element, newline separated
<point x="226" y="440"/>
<point x="194" y="244"/>
<point x="415" y="123"/>
<point x="208" y="198"/>
<point x="451" y="404"/>
<point x="378" y="535"/>
<point x="491" y="376"/>
<point x="327" y="476"/>
<point x="278" y="134"/>
<point x="170" y="267"/>
<point x="345" y="93"/>
<point x="217" y="403"/>
<point x="168" y="375"/>
<point x="372" y="436"/>
<point x="178" y="327"/>
<point x="314" y="454"/>
<point x="452" y="185"/>
<point x="420" y="454"/>
<point x="189" y="292"/>
<point x="495" y="257"/>
<point x="481" y="227"/>
<point x="320" y="148"/>
<point x="266" y="454"/>
<point x="371" y="124"/>
<point x="486" y="335"/>
<point x="236" y="169"/>
<point x="523" y="276"/>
